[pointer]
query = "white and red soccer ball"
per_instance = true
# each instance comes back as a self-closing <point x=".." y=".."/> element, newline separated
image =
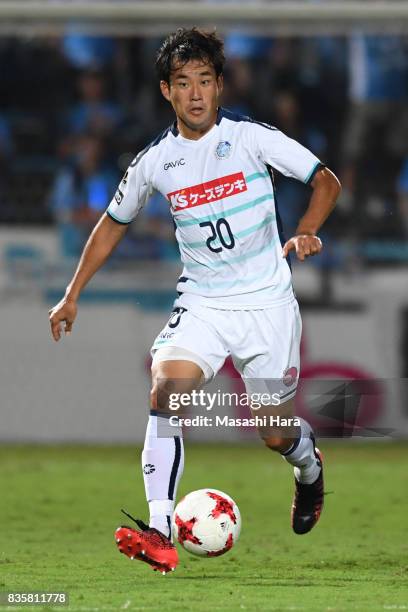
<point x="206" y="523"/>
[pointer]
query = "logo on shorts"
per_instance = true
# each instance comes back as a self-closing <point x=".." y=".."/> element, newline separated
<point x="176" y="316"/>
<point x="148" y="468"/>
<point x="166" y="335"/>
<point x="223" y="149"/>
<point x="290" y="376"/>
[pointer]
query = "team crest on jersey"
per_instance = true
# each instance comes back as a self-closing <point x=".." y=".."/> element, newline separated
<point x="223" y="149"/>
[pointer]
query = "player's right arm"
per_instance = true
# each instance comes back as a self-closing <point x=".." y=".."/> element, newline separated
<point x="295" y="161"/>
<point x="102" y="241"/>
<point x="132" y="193"/>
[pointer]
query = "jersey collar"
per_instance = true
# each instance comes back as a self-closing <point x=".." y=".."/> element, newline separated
<point x="174" y="129"/>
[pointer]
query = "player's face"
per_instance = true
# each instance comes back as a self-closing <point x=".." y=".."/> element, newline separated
<point x="193" y="92"/>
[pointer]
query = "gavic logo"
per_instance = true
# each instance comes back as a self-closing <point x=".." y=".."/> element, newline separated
<point x="208" y="192"/>
<point x="175" y="164"/>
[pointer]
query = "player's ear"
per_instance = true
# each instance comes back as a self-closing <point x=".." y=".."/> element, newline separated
<point x="165" y="89"/>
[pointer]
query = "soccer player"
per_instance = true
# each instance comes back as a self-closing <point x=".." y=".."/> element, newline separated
<point x="235" y="296"/>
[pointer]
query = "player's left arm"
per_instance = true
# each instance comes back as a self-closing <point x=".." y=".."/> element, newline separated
<point x="326" y="189"/>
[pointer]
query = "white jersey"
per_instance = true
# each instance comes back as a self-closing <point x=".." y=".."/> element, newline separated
<point x="221" y="195"/>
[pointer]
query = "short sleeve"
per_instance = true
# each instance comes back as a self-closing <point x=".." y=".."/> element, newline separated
<point x="284" y="154"/>
<point x="133" y="191"/>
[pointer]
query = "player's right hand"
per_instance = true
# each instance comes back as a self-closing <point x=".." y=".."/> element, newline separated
<point x="305" y="245"/>
<point x="64" y="311"/>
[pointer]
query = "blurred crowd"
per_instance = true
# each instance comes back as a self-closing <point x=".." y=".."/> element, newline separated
<point x="75" y="110"/>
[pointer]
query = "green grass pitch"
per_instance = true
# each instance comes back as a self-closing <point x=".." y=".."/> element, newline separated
<point x="60" y="506"/>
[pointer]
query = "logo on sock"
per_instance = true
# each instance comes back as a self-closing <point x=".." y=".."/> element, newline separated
<point x="148" y="468"/>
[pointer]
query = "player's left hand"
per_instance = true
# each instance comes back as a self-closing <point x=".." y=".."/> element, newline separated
<point x="304" y="245"/>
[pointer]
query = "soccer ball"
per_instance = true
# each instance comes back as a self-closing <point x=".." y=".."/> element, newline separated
<point x="206" y="522"/>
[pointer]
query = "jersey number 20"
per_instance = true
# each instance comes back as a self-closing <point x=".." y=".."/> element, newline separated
<point x="225" y="235"/>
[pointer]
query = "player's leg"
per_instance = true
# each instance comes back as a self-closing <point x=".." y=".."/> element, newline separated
<point x="273" y="370"/>
<point x="278" y="433"/>
<point x="309" y="485"/>
<point x="163" y="452"/>
<point x="162" y="461"/>
<point x="176" y="368"/>
<point x="187" y="353"/>
<point x="296" y="444"/>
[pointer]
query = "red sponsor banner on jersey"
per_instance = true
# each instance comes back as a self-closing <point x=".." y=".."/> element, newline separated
<point x="208" y="192"/>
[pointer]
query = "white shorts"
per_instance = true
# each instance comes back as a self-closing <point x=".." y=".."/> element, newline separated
<point x="264" y="344"/>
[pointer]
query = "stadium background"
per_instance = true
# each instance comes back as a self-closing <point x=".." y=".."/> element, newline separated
<point x="78" y="99"/>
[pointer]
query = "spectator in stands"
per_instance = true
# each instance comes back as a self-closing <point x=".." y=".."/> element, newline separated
<point x="94" y="113"/>
<point x="244" y="53"/>
<point x="321" y="87"/>
<point x="6" y="151"/>
<point x="402" y="190"/>
<point x="292" y="196"/>
<point x="298" y="84"/>
<point x="375" y="140"/>
<point x="88" y="52"/>
<point x="82" y="190"/>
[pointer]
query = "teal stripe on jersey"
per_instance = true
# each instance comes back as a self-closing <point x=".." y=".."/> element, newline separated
<point x="238" y="282"/>
<point x="245" y="232"/>
<point x="226" y="213"/>
<point x="250" y="255"/>
<point x="312" y="170"/>
<point x="256" y="175"/>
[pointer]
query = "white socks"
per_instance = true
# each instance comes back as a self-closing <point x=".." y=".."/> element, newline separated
<point x="162" y="464"/>
<point x="302" y="455"/>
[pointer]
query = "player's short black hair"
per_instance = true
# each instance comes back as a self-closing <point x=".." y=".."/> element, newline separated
<point x="190" y="44"/>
